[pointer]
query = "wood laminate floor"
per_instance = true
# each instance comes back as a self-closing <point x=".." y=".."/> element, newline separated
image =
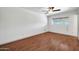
<point x="44" y="42"/>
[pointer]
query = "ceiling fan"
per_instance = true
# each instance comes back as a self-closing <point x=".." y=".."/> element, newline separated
<point x="51" y="10"/>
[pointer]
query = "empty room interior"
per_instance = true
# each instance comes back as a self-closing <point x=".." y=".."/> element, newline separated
<point x="39" y="28"/>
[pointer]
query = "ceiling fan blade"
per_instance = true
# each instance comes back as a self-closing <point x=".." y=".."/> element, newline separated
<point x="57" y="10"/>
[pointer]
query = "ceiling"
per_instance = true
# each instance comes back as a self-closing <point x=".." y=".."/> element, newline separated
<point x="43" y="9"/>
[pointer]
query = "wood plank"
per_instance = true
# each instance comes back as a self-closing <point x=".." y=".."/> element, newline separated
<point x="44" y="42"/>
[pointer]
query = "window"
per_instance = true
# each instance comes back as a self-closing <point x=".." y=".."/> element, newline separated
<point x="61" y="24"/>
<point x="60" y="21"/>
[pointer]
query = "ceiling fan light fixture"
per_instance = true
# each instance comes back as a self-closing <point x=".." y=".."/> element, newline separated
<point x="50" y="11"/>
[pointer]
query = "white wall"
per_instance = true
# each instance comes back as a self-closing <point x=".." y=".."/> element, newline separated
<point x="72" y="28"/>
<point x="17" y="23"/>
<point x="78" y="21"/>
